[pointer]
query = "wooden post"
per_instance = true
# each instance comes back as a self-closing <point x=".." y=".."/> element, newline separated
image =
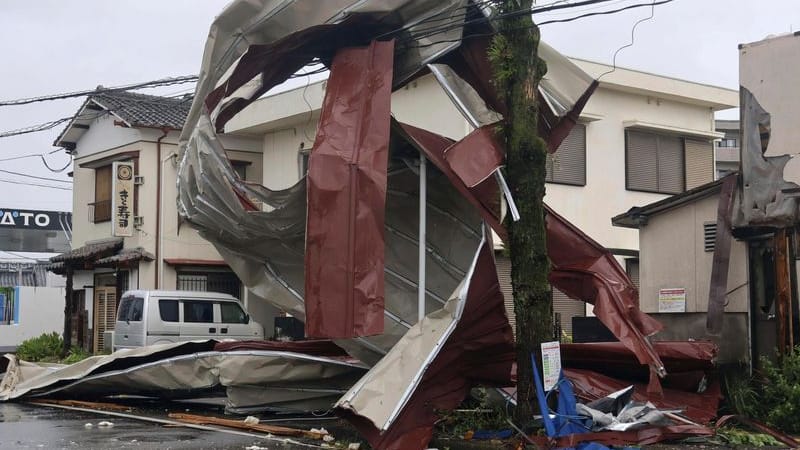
<point x="783" y="291"/>
<point x="67" y="312"/>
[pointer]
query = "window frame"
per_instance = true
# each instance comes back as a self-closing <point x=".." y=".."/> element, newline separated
<point x="681" y="139"/>
<point x="551" y="159"/>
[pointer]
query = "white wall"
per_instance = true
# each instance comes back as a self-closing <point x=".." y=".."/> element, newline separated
<point x="41" y="310"/>
<point x="423" y="103"/>
<point x="770" y="69"/>
<point x="673" y="256"/>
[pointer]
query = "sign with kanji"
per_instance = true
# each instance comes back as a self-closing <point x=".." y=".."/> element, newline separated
<point x="672" y="300"/>
<point x="551" y="364"/>
<point x="122" y="199"/>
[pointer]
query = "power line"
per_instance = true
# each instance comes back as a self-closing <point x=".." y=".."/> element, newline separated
<point x="34" y="176"/>
<point x="34" y="184"/>
<point x="99" y="90"/>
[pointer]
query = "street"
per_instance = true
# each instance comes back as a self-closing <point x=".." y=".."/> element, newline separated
<point x="25" y="426"/>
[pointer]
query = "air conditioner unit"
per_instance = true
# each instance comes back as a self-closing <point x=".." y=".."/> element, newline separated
<point x="108" y="341"/>
<point x="138" y="180"/>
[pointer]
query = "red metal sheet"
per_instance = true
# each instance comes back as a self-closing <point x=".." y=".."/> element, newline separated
<point x="475" y="157"/>
<point x="701" y="408"/>
<point x="718" y="289"/>
<point x="485" y="195"/>
<point x="344" y="260"/>
<point x="480" y="351"/>
<point x="585" y="270"/>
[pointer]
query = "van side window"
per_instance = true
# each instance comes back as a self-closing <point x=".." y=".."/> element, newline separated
<point x="198" y="311"/>
<point x="232" y="313"/>
<point x="124" y="309"/>
<point x="137" y="306"/>
<point x="168" y="309"/>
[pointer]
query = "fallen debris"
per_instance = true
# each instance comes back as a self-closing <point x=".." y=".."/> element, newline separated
<point x="105" y="424"/>
<point x="272" y="429"/>
<point x="82" y="404"/>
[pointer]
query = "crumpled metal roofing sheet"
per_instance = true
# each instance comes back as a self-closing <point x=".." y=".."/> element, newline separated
<point x="344" y="254"/>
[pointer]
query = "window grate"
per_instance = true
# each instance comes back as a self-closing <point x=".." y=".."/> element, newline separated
<point x="709" y="236"/>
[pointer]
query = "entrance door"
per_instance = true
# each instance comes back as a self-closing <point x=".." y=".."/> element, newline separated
<point x="105" y="315"/>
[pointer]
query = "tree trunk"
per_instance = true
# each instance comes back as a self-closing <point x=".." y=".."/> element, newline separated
<point x="517" y="71"/>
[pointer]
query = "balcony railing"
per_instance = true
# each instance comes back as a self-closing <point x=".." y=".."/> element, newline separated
<point x="100" y="211"/>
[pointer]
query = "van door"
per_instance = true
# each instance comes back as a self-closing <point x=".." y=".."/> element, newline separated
<point x="198" y="320"/>
<point x="234" y="322"/>
<point x="129" y="328"/>
<point x="163" y="320"/>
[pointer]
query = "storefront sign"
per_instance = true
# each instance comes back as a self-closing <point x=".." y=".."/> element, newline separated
<point x="34" y="220"/>
<point x="551" y="364"/>
<point x="122" y="199"/>
<point x="672" y="300"/>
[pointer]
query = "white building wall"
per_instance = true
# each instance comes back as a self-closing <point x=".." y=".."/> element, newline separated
<point x="423" y="103"/>
<point x="41" y="310"/>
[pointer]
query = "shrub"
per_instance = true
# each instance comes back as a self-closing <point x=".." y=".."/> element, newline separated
<point x="75" y="354"/>
<point x="779" y="402"/>
<point x="44" y="348"/>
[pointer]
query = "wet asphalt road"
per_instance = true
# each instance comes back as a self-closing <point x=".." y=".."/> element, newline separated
<point x="24" y="426"/>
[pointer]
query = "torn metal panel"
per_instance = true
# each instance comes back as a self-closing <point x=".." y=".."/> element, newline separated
<point x="284" y="380"/>
<point x="476" y="157"/>
<point x="698" y="407"/>
<point x="344" y="254"/>
<point x="465" y="98"/>
<point x="763" y="201"/>
<point x="586" y="271"/>
<point x="467" y="342"/>
<point x="718" y="287"/>
<point x="261" y="43"/>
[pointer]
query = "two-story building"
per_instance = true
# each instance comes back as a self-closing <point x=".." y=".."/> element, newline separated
<point x="147" y="246"/>
<point x="641" y="138"/>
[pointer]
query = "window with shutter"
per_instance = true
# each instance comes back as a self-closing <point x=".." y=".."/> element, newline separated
<point x="568" y="164"/>
<point x="101" y="208"/>
<point x="654" y="162"/>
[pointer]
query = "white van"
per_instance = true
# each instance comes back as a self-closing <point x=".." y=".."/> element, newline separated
<point x="158" y="317"/>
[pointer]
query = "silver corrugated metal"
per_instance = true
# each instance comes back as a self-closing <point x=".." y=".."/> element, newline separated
<point x="503" y="264"/>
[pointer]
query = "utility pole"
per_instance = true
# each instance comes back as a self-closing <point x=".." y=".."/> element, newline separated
<point x="517" y="72"/>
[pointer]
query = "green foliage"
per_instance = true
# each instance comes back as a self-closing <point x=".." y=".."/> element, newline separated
<point x="47" y="348"/>
<point x="779" y="401"/>
<point x="735" y="437"/>
<point x="739" y="392"/>
<point x="75" y="354"/>
<point x="44" y="348"/>
<point x="476" y="413"/>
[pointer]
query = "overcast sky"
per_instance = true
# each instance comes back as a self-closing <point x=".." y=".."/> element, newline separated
<point x="53" y="46"/>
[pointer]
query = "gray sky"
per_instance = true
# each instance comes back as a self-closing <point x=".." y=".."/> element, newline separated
<point x="52" y="46"/>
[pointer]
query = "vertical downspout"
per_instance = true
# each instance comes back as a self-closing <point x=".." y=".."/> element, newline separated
<point x="158" y="277"/>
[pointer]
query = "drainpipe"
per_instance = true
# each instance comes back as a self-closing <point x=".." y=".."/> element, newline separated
<point x="159" y="262"/>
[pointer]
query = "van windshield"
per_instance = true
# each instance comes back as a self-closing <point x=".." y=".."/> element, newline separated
<point x="232" y="313"/>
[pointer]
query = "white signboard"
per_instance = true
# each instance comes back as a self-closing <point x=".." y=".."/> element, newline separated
<point x="672" y="300"/>
<point x="122" y="199"/>
<point x="551" y="364"/>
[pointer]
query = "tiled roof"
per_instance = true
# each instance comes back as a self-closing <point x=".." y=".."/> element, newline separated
<point x="88" y="251"/>
<point x="145" y="110"/>
<point x="125" y="255"/>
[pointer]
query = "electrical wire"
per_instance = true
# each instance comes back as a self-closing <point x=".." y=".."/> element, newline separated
<point x="429" y="44"/>
<point x="19" y="174"/>
<point x="128" y="87"/>
<point x="633" y="31"/>
<point x="22" y="183"/>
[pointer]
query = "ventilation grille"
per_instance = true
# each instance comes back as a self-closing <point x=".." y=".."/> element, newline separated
<point x="709" y="236"/>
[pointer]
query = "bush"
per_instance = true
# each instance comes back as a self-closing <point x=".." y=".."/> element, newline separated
<point x="44" y="348"/>
<point x="779" y="401"/>
<point x="75" y="354"/>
